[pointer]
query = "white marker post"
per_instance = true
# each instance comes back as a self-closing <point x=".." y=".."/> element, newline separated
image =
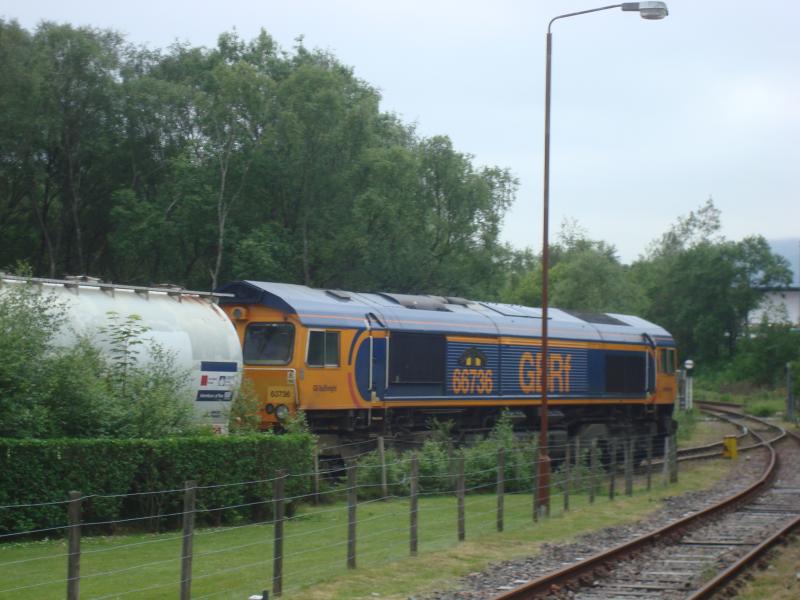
<point x="689" y="366"/>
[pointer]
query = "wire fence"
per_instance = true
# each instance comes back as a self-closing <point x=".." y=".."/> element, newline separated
<point x="383" y="503"/>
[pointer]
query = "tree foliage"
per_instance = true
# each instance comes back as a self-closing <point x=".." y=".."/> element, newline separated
<point x="200" y="165"/>
<point x="701" y="286"/>
<point x="763" y="354"/>
<point x="585" y="275"/>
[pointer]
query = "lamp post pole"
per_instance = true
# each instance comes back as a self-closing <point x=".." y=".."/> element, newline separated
<point x="649" y="11"/>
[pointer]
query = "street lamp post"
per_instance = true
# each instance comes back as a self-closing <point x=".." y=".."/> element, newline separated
<point x="649" y="11"/>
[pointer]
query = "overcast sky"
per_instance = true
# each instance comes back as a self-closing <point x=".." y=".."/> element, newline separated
<point x="649" y="119"/>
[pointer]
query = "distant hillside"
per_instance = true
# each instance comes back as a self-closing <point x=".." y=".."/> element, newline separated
<point x="789" y="248"/>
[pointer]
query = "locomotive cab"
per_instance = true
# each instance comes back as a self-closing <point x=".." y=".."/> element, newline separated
<point x="269" y="348"/>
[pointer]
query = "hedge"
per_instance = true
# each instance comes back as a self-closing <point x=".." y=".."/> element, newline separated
<point x="138" y="484"/>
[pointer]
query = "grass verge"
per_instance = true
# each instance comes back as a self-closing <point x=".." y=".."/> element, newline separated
<point x="780" y="580"/>
<point x="234" y="562"/>
<point x="759" y="403"/>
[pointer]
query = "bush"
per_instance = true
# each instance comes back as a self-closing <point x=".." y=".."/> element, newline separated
<point x="146" y="478"/>
<point x="761" y="409"/>
<point x="244" y="415"/>
<point x="687" y="422"/>
<point x="761" y="357"/>
<point x="437" y="466"/>
<point x="49" y="391"/>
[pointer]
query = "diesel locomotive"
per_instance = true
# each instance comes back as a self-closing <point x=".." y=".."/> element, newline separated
<point x="358" y="364"/>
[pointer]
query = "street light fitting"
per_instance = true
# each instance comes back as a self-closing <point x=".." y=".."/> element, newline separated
<point x="648" y="10"/>
<point x="652" y="11"/>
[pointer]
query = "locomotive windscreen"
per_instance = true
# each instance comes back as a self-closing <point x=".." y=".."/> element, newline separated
<point x="268" y="343"/>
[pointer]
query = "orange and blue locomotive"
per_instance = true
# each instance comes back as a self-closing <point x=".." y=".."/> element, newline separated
<point x="361" y="363"/>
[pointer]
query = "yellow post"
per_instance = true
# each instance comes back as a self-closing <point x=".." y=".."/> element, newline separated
<point x="731" y="447"/>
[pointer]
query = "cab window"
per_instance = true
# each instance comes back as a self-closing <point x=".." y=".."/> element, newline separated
<point x="667" y="362"/>
<point x="268" y="343"/>
<point x="323" y="349"/>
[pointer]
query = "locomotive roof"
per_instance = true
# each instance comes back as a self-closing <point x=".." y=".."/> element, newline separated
<point x="439" y="314"/>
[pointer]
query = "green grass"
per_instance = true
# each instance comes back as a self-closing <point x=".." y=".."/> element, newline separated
<point x="780" y="580"/>
<point x="760" y="403"/>
<point x="234" y="562"/>
<point x="687" y="423"/>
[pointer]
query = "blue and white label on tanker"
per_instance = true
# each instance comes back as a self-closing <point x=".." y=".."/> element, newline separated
<point x="217" y="381"/>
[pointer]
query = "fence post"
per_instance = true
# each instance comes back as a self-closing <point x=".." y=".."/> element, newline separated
<point x="593" y="471"/>
<point x="665" y="465"/>
<point x="450" y="467"/>
<point x="278" y="495"/>
<point x="501" y="486"/>
<point x="460" y="494"/>
<point x="565" y="474"/>
<point x="384" y="479"/>
<point x="315" y="480"/>
<point x="189" y="495"/>
<point x="414" y="507"/>
<point x="548" y="490"/>
<point x="74" y="556"/>
<point x="629" y="466"/>
<point x="649" y="462"/>
<point x="535" y="482"/>
<point x="352" y="500"/>
<point x="673" y="456"/>
<point x="612" y="471"/>
<point x="790" y="400"/>
<point x="578" y="462"/>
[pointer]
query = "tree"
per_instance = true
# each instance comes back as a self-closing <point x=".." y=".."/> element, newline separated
<point x="762" y="354"/>
<point x="586" y="275"/>
<point x="195" y="165"/>
<point x="60" y="133"/>
<point x="324" y="124"/>
<point x="76" y="97"/>
<point x="523" y="272"/>
<point x="232" y="119"/>
<point x="701" y="287"/>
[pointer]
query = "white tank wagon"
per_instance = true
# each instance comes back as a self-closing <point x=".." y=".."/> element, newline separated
<point x="187" y="324"/>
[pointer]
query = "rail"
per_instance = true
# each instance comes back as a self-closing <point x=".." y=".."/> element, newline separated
<point x="568" y="576"/>
<point x="725" y="577"/>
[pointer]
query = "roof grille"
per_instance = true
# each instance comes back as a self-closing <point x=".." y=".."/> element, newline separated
<point x="513" y="310"/>
<point x="417" y="302"/>
<point x="598" y="318"/>
<point x="458" y="301"/>
<point x="339" y="294"/>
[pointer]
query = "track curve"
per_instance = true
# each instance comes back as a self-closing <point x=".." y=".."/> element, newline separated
<point x="622" y="571"/>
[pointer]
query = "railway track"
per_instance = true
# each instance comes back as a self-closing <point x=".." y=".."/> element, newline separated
<point x="696" y="556"/>
<point x="714" y="449"/>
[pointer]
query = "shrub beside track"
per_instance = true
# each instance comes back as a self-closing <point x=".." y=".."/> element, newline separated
<point x="48" y="469"/>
